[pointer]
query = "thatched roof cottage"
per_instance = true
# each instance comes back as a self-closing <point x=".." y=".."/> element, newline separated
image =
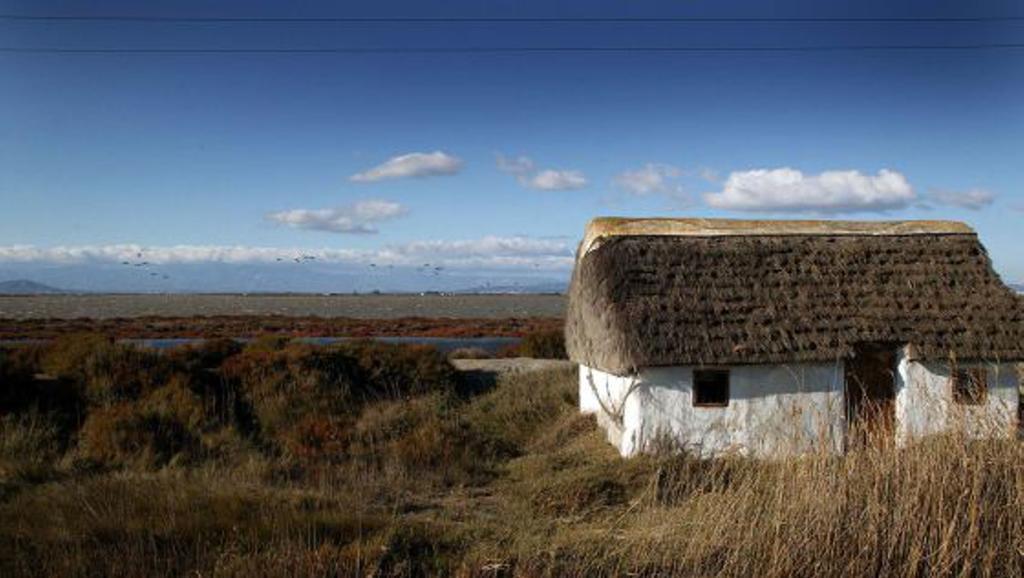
<point x="769" y="337"/>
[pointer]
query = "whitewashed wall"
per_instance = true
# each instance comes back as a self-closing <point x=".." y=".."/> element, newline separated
<point x="924" y="401"/>
<point x="773" y="410"/>
<point x="780" y="410"/>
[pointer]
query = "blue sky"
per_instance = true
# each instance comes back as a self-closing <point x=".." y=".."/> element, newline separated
<point x="221" y="169"/>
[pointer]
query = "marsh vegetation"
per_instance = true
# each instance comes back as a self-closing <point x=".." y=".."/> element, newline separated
<point x="285" y="459"/>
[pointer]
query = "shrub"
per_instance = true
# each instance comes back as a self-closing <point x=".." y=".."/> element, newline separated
<point x="507" y="418"/>
<point x="22" y="392"/>
<point x="69" y="355"/>
<point x="424" y="438"/>
<point x="107" y="372"/>
<point x="131" y="434"/>
<point x="540" y="345"/>
<point x="178" y="402"/>
<point x="285" y="385"/>
<point x="390" y="371"/>
<point x="316" y="438"/>
<point x="267" y="343"/>
<point x="206" y="354"/>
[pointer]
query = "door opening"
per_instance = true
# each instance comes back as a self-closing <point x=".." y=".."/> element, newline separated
<point x="871" y="395"/>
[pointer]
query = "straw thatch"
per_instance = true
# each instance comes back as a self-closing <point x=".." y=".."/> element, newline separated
<point x="785" y="292"/>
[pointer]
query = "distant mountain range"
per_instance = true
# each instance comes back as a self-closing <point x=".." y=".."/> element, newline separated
<point x="27" y="287"/>
<point x="1018" y="286"/>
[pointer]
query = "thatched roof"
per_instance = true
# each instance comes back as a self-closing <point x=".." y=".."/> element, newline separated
<point x="655" y="292"/>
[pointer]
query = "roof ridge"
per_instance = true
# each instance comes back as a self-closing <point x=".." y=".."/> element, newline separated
<point x="601" y="227"/>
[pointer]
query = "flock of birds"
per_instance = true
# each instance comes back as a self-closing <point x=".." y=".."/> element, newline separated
<point x="301" y="259"/>
<point x="425" y="269"/>
<point x="139" y="263"/>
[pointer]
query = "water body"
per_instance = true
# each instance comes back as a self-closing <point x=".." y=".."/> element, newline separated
<point x="443" y="344"/>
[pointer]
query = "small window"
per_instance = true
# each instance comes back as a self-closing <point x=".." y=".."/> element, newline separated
<point x="970" y="386"/>
<point x="711" y="388"/>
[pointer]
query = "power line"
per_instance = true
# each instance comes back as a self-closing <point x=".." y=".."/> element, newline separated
<point x="518" y="49"/>
<point x="509" y="19"/>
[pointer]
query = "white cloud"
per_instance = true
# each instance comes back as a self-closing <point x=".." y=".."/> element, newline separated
<point x="519" y="166"/>
<point x="486" y="246"/>
<point x="973" y="199"/>
<point x="552" y="180"/>
<point x="650" y="179"/>
<point x="356" y="218"/>
<point x="789" y="190"/>
<point x="492" y="251"/>
<point x="411" y="165"/>
<point x="545" y="180"/>
<point x="489" y="251"/>
<point x="156" y="255"/>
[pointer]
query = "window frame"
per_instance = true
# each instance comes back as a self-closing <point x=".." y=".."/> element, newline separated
<point x="718" y="371"/>
<point x="977" y="376"/>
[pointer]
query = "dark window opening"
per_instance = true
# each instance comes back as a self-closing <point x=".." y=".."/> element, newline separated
<point x="711" y="387"/>
<point x="970" y="386"/>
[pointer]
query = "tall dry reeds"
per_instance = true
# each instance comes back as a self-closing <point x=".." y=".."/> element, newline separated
<point x="431" y="481"/>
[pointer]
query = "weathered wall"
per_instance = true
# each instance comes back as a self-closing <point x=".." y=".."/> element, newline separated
<point x="924" y="401"/>
<point x="773" y="410"/>
<point x="779" y="410"/>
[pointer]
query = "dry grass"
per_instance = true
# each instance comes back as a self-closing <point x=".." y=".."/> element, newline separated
<point x="511" y="482"/>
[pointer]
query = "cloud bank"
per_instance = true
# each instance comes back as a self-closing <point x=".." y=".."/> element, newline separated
<point x="358" y="218"/>
<point x="831" y="192"/>
<point x="411" y="165"/>
<point x="515" y="252"/>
